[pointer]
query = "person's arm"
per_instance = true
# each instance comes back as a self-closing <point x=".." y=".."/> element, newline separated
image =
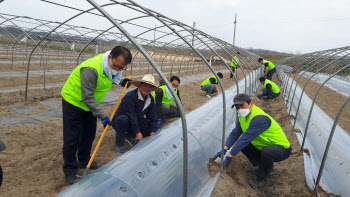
<point x="258" y="125"/>
<point x="268" y="89"/>
<point x="233" y="137"/>
<point x="213" y="81"/>
<point x="159" y="98"/>
<point x="151" y="115"/>
<point x="128" y="107"/>
<point x="266" y="68"/>
<point x="88" y="79"/>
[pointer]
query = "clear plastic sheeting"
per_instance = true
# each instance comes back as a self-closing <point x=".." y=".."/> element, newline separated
<point x="154" y="167"/>
<point x="335" y="84"/>
<point x="336" y="174"/>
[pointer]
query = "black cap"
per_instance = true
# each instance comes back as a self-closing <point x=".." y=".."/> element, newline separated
<point x="220" y="75"/>
<point x="240" y="99"/>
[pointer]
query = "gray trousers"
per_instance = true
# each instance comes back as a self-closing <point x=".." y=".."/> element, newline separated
<point x="209" y="89"/>
<point x="169" y="111"/>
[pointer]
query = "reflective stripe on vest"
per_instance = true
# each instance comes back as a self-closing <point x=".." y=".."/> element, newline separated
<point x="270" y="65"/>
<point x="207" y="81"/>
<point x="71" y="90"/>
<point x="274" y="135"/>
<point x="275" y="89"/>
<point x="234" y="64"/>
<point x="165" y="99"/>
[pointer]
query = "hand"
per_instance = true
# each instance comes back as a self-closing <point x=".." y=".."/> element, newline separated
<point x="152" y="133"/>
<point x="106" y="121"/>
<point x="219" y="154"/>
<point x="159" y="123"/>
<point x="123" y="82"/>
<point x="227" y="161"/>
<point x="139" y="137"/>
<point x="260" y="95"/>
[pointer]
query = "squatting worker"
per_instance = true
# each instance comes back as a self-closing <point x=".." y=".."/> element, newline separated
<point x="269" y="68"/>
<point x="210" y="85"/>
<point x="164" y="100"/>
<point x="259" y="137"/>
<point x="81" y="95"/>
<point x="270" y="89"/>
<point x="136" y="116"/>
<point x="234" y="64"/>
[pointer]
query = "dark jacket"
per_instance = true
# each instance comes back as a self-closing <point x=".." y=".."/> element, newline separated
<point x="132" y="106"/>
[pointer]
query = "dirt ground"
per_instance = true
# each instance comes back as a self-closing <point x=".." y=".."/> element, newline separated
<point x="32" y="162"/>
<point x="289" y="177"/>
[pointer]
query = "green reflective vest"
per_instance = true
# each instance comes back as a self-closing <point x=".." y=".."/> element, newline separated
<point x="275" y="89"/>
<point x="165" y="99"/>
<point x="272" y="136"/>
<point x="71" y="90"/>
<point x="270" y="65"/>
<point x="207" y="81"/>
<point x="234" y="64"/>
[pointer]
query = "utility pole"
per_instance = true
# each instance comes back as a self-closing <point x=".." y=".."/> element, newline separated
<point x="234" y="33"/>
<point x="194" y="24"/>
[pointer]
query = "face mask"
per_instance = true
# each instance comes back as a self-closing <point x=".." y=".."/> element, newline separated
<point x="243" y="112"/>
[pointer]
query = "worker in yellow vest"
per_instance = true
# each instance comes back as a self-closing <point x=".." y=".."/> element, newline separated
<point x="82" y="94"/>
<point x="259" y="137"/>
<point x="210" y="85"/>
<point x="234" y="64"/>
<point x="164" y="100"/>
<point x="270" y="89"/>
<point x="269" y="68"/>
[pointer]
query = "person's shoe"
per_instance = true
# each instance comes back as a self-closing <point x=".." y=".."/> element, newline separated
<point x="131" y="141"/>
<point x="269" y="98"/>
<point x="208" y="96"/>
<point x="121" y="149"/>
<point x="259" y="183"/>
<point x="71" y="179"/>
<point x="93" y="166"/>
<point x="231" y="79"/>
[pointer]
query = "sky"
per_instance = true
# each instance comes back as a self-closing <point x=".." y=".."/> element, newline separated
<point x="297" y="26"/>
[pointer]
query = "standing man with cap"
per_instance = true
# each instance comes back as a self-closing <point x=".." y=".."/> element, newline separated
<point x="164" y="100"/>
<point x="269" y="68"/>
<point x="259" y="137"/>
<point x="271" y="90"/>
<point x="210" y="85"/>
<point x="234" y="64"/>
<point x="136" y="116"/>
<point x="82" y="93"/>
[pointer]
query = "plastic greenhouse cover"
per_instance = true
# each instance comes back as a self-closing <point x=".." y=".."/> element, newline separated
<point x="336" y="174"/>
<point x="335" y="84"/>
<point x="155" y="166"/>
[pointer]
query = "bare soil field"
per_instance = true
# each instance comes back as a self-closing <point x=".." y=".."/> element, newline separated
<point x="32" y="162"/>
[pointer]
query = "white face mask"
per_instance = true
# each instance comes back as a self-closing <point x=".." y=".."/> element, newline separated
<point x="243" y="112"/>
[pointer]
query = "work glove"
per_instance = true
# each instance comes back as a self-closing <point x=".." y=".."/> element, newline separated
<point x="159" y="123"/>
<point x="106" y="121"/>
<point x="123" y="82"/>
<point x="219" y="154"/>
<point x="260" y="95"/>
<point x="227" y="162"/>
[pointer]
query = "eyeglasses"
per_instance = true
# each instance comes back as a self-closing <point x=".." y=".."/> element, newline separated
<point x="120" y="68"/>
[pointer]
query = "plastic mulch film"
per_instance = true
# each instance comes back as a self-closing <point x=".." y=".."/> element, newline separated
<point x="154" y="167"/>
<point x="336" y="174"/>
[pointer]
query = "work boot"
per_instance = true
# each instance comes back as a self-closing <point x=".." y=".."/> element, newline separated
<point x="71" y="179"/>
<point x="269" y="97"/>
<point x="259" y="183"/>
<point x="93" y="166"/>
<point x="208" y="96"/>
<point x="131" y="141"/>
<point x="121" y="149"/>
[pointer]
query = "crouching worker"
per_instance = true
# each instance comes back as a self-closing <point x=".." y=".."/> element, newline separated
<point x="210" y="85"/>
<point x="259" y="137"/>
<point x="82" y="94"/>
<point x="164" y="99"/>
<point x="271" y="90"/>
<point x="136" y="116"/>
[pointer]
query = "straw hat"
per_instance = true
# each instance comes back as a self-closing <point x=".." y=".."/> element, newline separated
<point x="147" y="79"/>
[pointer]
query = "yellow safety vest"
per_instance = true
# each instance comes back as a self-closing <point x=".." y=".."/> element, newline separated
<point x="270" y="65"/>
<point x="207" y="81"/>
<point x="275" y="89"/>
<point x="71" y="90"/>
<point x="234" y="64"/>
<point x="165" y="99"/>
<point x="274" y="135"/>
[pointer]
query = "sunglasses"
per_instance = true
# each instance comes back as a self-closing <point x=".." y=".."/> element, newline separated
<point x="120" y="68"/>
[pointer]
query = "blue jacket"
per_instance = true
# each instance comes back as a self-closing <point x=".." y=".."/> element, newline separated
<point x="132" y="106"/>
